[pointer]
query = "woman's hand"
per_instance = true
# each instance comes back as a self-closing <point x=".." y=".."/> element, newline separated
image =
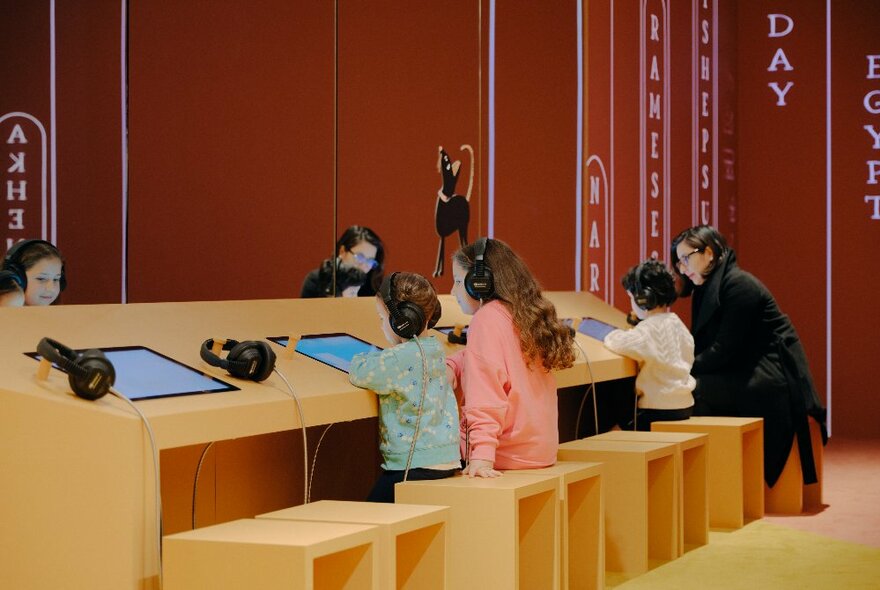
<point x="481" y="468"/>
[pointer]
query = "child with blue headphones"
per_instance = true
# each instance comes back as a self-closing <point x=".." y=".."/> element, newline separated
<point x="660" y="343"/>
<point x="418" y="416"/>
<point x="39" y="267"/>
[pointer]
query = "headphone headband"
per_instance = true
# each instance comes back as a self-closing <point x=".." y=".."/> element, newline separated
<point x="90" y="373"/>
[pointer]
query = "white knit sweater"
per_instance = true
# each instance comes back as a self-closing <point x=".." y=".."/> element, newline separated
<point x="664" y="349"/>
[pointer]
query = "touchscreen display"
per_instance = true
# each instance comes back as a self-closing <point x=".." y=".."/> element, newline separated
<point x="335" y="350"/>
<point x="142" y="373"/>
<point x="595" y="328"/>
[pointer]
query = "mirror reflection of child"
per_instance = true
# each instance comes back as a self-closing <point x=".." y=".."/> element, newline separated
<point x="660" y="343"/>
<point x="399" y="375"/>
<point x="41" y="266"/>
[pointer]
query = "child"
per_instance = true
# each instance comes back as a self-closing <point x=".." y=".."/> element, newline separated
<point x="417" y="410"/>
<point x="42" y="267"/>
<point x="11" y="293"/>
<point x="661" y="343"/>
<point x="503" y="378"/>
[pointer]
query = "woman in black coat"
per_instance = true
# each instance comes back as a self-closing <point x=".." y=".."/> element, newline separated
<point x="748" y="358"/>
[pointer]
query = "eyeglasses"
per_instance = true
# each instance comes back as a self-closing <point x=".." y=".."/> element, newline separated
<point x="686" y="259"/>
<point x="361" y="259"/>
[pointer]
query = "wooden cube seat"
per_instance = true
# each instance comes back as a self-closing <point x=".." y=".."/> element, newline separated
<point x="692" y="508"/>
<point x="640" y="500"/>
<point x="272" y="555"/>
<point x="504" y="531"/>
<point x="413" y="539"/>
<point x="582" y="520"/>
<point x="736" y="466"/>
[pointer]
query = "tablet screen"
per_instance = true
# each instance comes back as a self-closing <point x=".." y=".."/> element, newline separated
<point x="595" y="328"/>
<point x="143" y="373"/>
<point x="335" y="350"/>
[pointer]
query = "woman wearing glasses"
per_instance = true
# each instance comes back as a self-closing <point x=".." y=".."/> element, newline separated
<point x="748" y="358"/>
<point x="358" y="266"/>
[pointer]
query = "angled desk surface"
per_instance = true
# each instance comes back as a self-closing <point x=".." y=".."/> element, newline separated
<point x="178" y="329"/>
<point x="80" y="475"/>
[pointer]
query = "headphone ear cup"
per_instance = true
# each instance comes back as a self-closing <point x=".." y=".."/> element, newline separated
<point x="409" y="320"/>
<point x="645" y="298"/>
<point x="479" y="282"/>
<point x="479" y="287"/>
<point x="268" y="364"/>
<point x="96" y="377"/>
<point x="16" y="273"/>
<point x="251" y="360"/>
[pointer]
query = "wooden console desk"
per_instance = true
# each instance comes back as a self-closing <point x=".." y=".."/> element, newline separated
<point x="76" y="498"/>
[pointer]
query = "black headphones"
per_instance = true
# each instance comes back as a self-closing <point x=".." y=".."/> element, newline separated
<point x="12" y="261"/>
<point x="251" y="359"/>
<point x="478" y="282"/>
<point x="90" y="373"/>
<point x="644" y="296"/>
<point x="407" y="319"/>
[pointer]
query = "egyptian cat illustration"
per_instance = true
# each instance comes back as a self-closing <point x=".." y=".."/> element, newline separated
<point x="453" y="210"/>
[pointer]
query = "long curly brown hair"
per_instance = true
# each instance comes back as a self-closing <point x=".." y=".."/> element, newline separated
<point x="543" y="338"/>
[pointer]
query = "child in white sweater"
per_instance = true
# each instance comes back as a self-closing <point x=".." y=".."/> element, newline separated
<point x="660" y="343"/>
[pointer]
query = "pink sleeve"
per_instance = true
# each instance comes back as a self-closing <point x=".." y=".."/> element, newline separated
<point x="455" y="363"/>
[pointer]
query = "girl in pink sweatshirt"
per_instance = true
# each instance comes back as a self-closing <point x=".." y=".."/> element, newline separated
<point x="502" y="379"/>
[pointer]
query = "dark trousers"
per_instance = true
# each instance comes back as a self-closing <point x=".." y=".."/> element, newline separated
<point x="383" y="489"/>
<point x="644" y="417"/>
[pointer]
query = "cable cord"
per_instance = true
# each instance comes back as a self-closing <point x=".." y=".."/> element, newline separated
<point x="315" y="463"/>
<point x="302" y="421"/>
<point x="196" y="480"/>
<point x="158" y="487"/>
<point x="412" y="446"/>
<point x="592" y="387"/>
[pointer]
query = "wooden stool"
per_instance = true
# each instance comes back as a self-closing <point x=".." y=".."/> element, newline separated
<point x="413" y="539"/>
<point x="272" y="555"/>
<point x="736" y="466"/>
<point x="690" y="480"/>
<point x="639" y="500"/>
<point x="504" y="531"/>
<point x="582" y="522"/>
<point x="790" y="495"/>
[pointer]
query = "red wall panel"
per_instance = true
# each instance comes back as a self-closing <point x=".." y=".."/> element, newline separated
<point x="231" y="145"/>
<point x="656" y="89"/>
<point x="82" y="168"/>
<point x="782" y="162"/>
<point x="855" y="227"/>
<point x="408" y="83"/>
<point x="536" y="136"/>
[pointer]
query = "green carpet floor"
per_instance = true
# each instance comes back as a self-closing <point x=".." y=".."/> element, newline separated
<point x="763" y="556"/>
